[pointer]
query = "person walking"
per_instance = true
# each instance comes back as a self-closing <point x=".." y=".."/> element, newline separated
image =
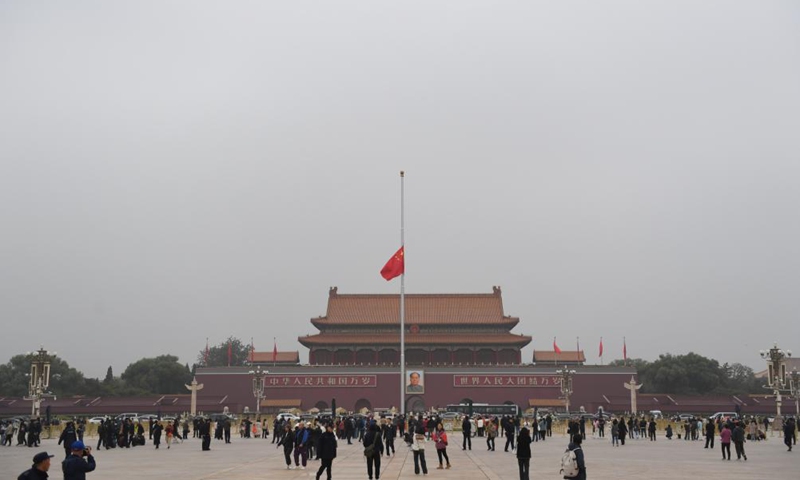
<point x="301" y="446"/>
<point x="169" y="431"/>
<point x="68" y="436"/>
<point x="466" y="429"/>
<point x="509" y="432"/>
<point x="738" y="440"/>
<point x="524" y="454"/>
<point x="373" y="449"/>
<point x="725" y="440"/>
<point x="326" y="450"/>
<point x="651" y="429"/>
<point x="614" y="433"/>
<point x="440" y="439"/>
<point x="287" y="440"/>
<point x="623" y="431"/>
<point x="491" y="432"/>
<point x="788" y="433"/>
<point x="157" y="429"/>
<point x="389" y="431"/>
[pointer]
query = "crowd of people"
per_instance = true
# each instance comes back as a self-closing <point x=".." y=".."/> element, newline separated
<point x="317" y="439"/>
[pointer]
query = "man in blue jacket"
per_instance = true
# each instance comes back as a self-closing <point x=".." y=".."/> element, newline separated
<point x="79" y="463"/>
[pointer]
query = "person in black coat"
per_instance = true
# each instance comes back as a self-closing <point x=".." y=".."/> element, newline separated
<point x="326" y="450"/>
<point x="205" y="433"/>
<point x="68" y="436"/>
<point x="287" y="440"/>
<point x="524" y="454"/>
<point x="373" y="439"/>
<point x="389" y="431"/>
<point x="466" y="429"/>
<point x="157" y="429"/>
<point x="710" y="431"/>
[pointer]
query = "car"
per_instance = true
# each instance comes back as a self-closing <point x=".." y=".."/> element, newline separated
<point x="656" y="414"/>
<point x="97" y="420"/>
<point x="125" y="416"/>
<point x="723" y="415"/>
<point x="291" y="417"/>
<point x="449" y="415"/>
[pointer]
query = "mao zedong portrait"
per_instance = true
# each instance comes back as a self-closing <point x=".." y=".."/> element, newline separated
<point x="415" y="382"/>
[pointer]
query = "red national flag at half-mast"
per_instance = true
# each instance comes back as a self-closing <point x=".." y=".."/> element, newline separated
<point x="601" y="346"/>
<point x="624" y="350"/>
<point x="230" y="352"/>
<point x="396" y="265"/>
<point x="274" y="351"/>
<point x="206" y="355"/>
<point x="555" y="347"/>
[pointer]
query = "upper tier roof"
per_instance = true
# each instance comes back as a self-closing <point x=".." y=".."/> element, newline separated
<point x="421" y="309"/>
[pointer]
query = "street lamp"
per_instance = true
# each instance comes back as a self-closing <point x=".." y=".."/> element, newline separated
<point x="39" y="379"/>
<point x="566" y="383"/>
<point x="776" y="369"/>
<point x="259" y="380"/>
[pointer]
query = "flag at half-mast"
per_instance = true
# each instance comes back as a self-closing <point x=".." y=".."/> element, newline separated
<point x="274" y="350"/>
<point x="555" y="346"/>
<point x="396" y="265"/>
<point x="601" y="347"/>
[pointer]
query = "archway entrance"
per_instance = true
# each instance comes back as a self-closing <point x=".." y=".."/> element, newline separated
<point x="361" y="404"/>
<point x="415" y="404"/>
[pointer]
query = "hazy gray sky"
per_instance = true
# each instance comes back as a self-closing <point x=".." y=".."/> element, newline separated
<point x="171" y="171"/>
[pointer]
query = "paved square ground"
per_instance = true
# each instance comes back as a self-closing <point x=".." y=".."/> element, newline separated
<point x="259" y="459"/>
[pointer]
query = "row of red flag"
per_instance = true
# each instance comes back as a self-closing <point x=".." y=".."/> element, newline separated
<point x="396" y="266"/>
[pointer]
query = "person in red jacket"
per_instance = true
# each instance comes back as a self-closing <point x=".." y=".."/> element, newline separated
<point x="440" y="437"/>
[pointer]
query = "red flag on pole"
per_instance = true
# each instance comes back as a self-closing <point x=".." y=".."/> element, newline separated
<point x="624" y="350"/>
<point x="274" y="351"/>
<point x="555" y="347"/>
<point x="601" y="347"/>
<point x="230" y="352"/>
<point x="206" y="356"/>
<point x="396" y="265"/>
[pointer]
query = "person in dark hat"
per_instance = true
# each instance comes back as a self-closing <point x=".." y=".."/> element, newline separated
<point x="77" y="465"/>
<point x="41" y="464"/>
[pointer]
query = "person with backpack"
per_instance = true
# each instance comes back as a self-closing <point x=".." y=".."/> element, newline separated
<point x="491" y="432"/>
<point x="418" y="447"/>
<point x="440" y="437"/>
<point x="524" y="454"/>
<point x="614" y="433"/>
<point x="373" y="449"/>
<point x="573" y="465"/>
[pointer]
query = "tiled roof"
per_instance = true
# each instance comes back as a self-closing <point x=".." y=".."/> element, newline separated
<point x="423" y="309"/>
<point x="281" y="357"/>
<point x="276" y="402"/>
<point x="341" y="339"/>
<point x="552" y="356"/>
<point x="546" y="402"/>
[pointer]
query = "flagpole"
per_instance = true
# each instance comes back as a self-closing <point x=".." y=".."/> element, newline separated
<point x="601" y="351"/>
<point x="402" y="303"/>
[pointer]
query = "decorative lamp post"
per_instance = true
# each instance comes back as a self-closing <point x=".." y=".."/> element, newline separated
<point x="39" y="379"/>
<point x="776" y="368"/>
<point x="566" y="384"/>
<point x="259" y="380"/>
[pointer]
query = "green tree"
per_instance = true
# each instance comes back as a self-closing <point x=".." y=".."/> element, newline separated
<point x="218" y="354"/>
<point x="162" y="375"/>
<point x="64" y="380"/>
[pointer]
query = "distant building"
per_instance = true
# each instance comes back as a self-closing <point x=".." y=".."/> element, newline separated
<point x="565" y="357"/>
<point x="440" y="329"/>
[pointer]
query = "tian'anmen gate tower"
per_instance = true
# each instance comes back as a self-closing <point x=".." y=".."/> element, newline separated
<point x="441" y="329"/>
